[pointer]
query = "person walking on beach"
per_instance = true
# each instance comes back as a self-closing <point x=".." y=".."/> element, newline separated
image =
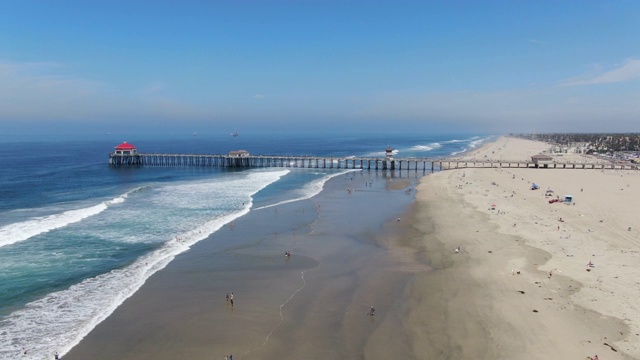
<point x="231" y="299"/>
<point x="56" y="356"/>
<point x="372" y="311"/>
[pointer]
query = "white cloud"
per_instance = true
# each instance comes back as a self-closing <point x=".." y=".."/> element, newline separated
<point x="629" y="71"/>
<point x="259" y="96"/>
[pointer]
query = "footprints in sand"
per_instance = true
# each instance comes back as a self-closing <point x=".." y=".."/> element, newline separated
<point x="304" y="283"/>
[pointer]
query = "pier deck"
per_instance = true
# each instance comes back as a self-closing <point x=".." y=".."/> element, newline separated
<point x="368" y="163"/>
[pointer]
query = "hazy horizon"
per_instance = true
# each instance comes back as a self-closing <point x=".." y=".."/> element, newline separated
<point x="494" y="67"/>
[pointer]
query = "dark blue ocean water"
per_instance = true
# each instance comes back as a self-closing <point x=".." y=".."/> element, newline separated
<point x="77" y="237"/>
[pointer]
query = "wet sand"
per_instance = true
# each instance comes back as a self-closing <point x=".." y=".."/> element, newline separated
<point x="312" y="305"/>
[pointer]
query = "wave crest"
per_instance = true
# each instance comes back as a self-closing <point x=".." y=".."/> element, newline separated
<point x="24" y="230"/>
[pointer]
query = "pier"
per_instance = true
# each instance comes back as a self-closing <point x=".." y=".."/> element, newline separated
<point x="365" y="163"/>
<point x="261" y="161"/>
<point x="126" y="155"/>
<point x="447" y="164"/>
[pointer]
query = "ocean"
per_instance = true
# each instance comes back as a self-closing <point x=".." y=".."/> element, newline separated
<point x="78" y="237"/>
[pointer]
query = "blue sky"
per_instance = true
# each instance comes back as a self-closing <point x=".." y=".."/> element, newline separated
<point x="445" y="66"/>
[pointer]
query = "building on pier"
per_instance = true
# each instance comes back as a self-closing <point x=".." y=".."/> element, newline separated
<point x="126" y="149"/>
<point x="125" y="154"/>
<point x="542" y="160"/>
<point x="239" y="153"/>
<point x="389" y="152"/>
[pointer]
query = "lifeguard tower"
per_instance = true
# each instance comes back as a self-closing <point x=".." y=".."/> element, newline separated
<point x="126" y="149"/>
<point x="388" y="163"/>
<point x="389" y="153"/>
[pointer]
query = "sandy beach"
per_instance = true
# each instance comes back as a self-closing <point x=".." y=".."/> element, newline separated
<point x="532" y="280"/>
<point x="523" y="285"/>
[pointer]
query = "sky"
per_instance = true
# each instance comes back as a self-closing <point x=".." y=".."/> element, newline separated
<point x="306" y="65"/>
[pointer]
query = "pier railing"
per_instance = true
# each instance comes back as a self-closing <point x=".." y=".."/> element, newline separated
<point x="368" y="163"/>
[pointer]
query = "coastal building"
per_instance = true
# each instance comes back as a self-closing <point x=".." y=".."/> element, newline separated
<point x="559" y="149"/>
<point x="541" y="159"/>
<point x="580" y="147"/>
<point x="239" y="153"/>
<point x="126" y="149"/>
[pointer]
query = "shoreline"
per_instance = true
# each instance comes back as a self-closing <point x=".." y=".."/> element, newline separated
<point x="350" y="252"/>
<point x="318" y="299"/>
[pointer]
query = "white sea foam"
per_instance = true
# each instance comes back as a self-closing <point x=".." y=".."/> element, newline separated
<point x="61" y="319"/>
<point x="471" y="139"/>
<point x="425" y="148"/>
<point x="20" y="231"/>
<point x="310" y="190"/>
<point x="473" y="143"/>
<point x="421" y="148"/>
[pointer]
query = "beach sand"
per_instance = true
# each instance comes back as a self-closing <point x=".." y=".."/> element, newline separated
<point x="374" y="246"/>
<point x="557" y="307"/>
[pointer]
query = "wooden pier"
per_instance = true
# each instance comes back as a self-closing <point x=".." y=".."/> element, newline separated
<point x="260" y="161"/>
<point x="447" y="164"/>
<point x="365" y="163"/>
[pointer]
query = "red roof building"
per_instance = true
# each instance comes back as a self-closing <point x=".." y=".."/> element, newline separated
<point x="126" y="149"/>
